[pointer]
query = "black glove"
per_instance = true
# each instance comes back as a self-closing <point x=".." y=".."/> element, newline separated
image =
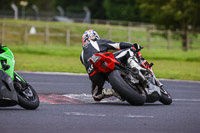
<point x="137" y="47"/>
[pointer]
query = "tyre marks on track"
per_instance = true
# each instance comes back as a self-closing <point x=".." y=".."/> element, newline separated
<point x="71" y="99"/>
<point x="57" y="99"/>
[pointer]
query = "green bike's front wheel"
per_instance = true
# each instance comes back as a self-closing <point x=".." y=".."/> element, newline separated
<point x="27" y="96"/>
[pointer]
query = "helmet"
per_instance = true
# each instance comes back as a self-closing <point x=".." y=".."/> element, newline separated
<point x="89" y="35"/>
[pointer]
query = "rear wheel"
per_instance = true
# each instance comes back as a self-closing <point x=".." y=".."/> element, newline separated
<point x="130" y="93"/>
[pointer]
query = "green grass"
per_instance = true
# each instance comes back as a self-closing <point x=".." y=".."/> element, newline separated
<point x="172" y="55"/>
<point x="184" y="70"/>
<point x="57" y="57"/>
<point x="47" y="58"/>
<point x="167" y="64"/>
<point x="74" y="51"/>
<point x="49" y="50"/>
<point x="35" y="62"/>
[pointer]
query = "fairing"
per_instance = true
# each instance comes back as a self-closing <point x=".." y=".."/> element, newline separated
<point x="8" y="56"/>
<point x="103" y="62"/>
<point x="8" y="95"/>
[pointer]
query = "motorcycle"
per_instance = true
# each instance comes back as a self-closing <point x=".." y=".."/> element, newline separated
<point x="14" y="89"/>
<point x="137" y="85"/>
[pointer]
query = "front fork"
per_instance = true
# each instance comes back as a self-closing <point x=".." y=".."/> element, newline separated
<point x="21" y="86"/>
<point x="159" y="84"/>
<point x="18" y="78"/>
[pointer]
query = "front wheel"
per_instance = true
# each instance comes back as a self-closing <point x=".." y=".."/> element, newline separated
<point x="27" y="96"/>
<point x="165" y="97"/>
<point x="125" y="90"/>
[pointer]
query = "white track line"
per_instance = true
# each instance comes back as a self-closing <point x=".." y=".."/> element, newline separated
<point x="178" y="80"/>
<point x="104" y="115"/>
<point x="187" y="100"/>
<point x="84" y="114"/>
<point x="54" y="73"/>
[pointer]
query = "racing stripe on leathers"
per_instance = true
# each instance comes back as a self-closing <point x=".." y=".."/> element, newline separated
<point x="114" y="45"/>
<point x="123" y="53"/>
<point x="82" y="57"/>
<point x="95" y="45"/>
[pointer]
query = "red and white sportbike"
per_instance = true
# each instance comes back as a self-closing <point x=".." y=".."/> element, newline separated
<point x="136" y="85"/>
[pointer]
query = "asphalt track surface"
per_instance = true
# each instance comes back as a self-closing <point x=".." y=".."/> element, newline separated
<point x="67" y="107"/>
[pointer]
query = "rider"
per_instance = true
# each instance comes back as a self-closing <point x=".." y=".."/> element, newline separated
<point x="92" y="44"/>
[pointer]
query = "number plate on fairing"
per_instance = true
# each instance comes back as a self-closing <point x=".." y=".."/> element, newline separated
<point x="94" y="58"/>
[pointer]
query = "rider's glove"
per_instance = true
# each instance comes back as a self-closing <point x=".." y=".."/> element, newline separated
<point x="137" y="47"/>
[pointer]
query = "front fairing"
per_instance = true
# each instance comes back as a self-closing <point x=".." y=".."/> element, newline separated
<point x="8" y="56"/>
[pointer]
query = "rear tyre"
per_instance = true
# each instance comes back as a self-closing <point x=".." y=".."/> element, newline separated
<point x="126" y="91"/>
<point x="165" y="98"/>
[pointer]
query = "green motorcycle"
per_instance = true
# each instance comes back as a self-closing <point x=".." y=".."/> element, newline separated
<point x="14" y="89"/>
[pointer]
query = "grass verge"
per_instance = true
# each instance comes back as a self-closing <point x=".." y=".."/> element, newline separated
<point x="168" y="64"/>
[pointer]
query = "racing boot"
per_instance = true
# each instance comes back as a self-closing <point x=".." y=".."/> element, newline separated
<point x="105" y="93"/>
<point x="110" y="92"/>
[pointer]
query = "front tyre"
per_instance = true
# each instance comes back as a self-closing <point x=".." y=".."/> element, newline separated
<point x="165" y="97"/>
<point x="126" y="91"/>
<point x="28" y="98"/>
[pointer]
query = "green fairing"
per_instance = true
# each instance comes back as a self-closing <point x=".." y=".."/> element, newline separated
<point x="9" y="57"/>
